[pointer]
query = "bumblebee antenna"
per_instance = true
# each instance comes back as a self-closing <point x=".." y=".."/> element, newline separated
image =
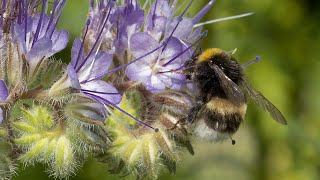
<point x="257" y="59"/>
<point x="233" y="51"/>
<point x="232" y="140"/>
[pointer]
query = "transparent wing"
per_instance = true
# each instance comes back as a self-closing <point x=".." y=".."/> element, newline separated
<point x="263" y="102"/>
<point x="231" y="89"/>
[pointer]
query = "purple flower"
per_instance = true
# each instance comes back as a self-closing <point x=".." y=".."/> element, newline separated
<point x="160" y="21"/>
<point x="114" y="25"/>
<point x="84" y="75"/>
<point x="29" y="36"/>
<point x="89" y="70"/>
<point x="151" y="70"/>
<point x="176" y="38"/>
<point x="161" y="48"/>
<point x="3" y="96"/>
<point x="141" y="50"/>
<point x="128" y="20"/>
<point x="36" y="35"/>
<point x="100" y="26"/>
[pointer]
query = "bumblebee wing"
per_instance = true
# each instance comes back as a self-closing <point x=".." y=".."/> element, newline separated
<point x="263" y="102"/>
<point x="231" y="89"/>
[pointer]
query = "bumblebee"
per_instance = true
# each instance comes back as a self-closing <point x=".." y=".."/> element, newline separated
<point x="221" y="102"/>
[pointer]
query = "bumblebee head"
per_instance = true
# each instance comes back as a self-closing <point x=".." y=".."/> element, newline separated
<point x="223" y="60"/>
<point x="215" y="56"/>
<point x="209" y="55"/>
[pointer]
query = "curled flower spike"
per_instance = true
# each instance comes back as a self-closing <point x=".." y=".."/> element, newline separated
<point x="122" y="98"/>
<point x="157" y="70"/>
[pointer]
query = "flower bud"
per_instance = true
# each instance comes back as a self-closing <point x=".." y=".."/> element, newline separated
<point x="142" y="150"/>
<point x="90" y="138"/>
<point x="67" y="84"/>
<point x="64" y="160"/>
<point x="34" y="152"/>
<point x="43" y="140"/>
<point x="13" y="66"/>
<point x="85" y="113"/>
<point x="51" y="73"/>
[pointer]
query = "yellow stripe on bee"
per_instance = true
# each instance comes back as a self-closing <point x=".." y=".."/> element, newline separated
<point x="224" y="107"/>
<point x="208" y="53"/>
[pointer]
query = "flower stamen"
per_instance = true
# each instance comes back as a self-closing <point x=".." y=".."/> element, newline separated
<point x="202" y="36"/>
<point x="175" y="28"/>
<point x="39" y="23"/>
<point x="98" y="92"/>
<point x="204" y="10"/>
<point x="125" y="65"/>
<point x="223" y="19"/>
<point x="257" y="59"/>
<point x="98" y="38"/>
<point x="125" y="112"/>
<point x="82" y="45"/>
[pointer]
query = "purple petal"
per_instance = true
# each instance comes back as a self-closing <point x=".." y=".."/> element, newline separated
<point x="157" y="29"/>
<point x="60" y="40"/>
<point x="135" y="17"/>
<point x="76" y="58"/>
<point x="19" y="33"/>
<point x="95" y="111"/>
<point x="156" y="20"/>
<point x="41" y="49"/>
<point x="165" y="79"/>
<point x="177" y="81"/>
<point x="184" y="28"/>
<point x="101" y="63"/>
<point x="157" y="83"/>
<point x="44" y="24"/>
<point x="200" y="15"/>
<point x="162" y="9"/>
<point x="142" y="43"/>
<point x="173" y="48"/>
<point x="99" y="90"/>
<point x="73" y="77"/>
<point x="98" y="107"/>
<point x="3" y="91"/>
<point x="168" y="80"/>
<point x="195" y="34"/>
<point x="139" y="72"/>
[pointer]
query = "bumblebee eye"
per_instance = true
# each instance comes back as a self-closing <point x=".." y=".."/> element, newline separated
<point x="211" y="63"/>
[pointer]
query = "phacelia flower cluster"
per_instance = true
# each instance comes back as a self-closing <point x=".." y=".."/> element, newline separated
<point x="120" y="98"/>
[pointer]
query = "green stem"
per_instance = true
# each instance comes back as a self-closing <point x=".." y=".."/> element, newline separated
<point x="6" y="120"/>
<point x="37" y="93"/>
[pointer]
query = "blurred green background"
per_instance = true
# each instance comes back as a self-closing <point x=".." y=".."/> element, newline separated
<point x="285" y="34"/>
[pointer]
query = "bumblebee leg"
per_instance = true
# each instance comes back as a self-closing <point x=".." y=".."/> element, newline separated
<point x="194" y="111"/>
<point x="175" y="125"/>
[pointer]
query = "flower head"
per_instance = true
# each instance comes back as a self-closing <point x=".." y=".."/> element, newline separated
<point x="151" y="70"/>
<point x="123" y="95"/>
<point x="27" y="35"/>
<point x="174" y="41"/>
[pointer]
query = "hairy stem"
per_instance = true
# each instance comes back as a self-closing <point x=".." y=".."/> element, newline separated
<point x="8" y="124"/>
<point x="37" y="93"/>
